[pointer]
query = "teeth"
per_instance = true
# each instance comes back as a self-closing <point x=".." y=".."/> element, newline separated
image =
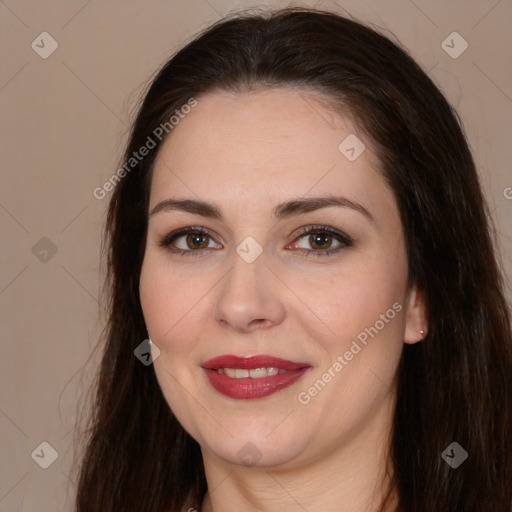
<point x="256" y="373"/>
<point x="230" y="372"/>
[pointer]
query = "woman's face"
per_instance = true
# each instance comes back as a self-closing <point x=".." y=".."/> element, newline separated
<point x="270" y="271"/>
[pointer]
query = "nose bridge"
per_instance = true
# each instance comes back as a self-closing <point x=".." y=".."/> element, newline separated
<point x="245" y="281"/>
<point x="247" y="293"/>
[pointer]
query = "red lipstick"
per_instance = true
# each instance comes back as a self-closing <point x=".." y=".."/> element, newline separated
<point x="256" y="377"/>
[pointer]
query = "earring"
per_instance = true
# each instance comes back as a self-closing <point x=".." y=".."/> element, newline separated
<point x="422" y="332"/>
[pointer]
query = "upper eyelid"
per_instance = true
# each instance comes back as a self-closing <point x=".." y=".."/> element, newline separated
<point x="341" y="237"/>
<point x="181" y="232"/>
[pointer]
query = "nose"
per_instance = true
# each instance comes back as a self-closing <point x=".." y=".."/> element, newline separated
<point x="248" y="297"/>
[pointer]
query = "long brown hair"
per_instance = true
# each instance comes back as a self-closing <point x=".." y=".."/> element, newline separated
<point x="455" y="386"/>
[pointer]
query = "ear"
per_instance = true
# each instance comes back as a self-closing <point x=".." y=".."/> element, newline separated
<point x="416" y="317"/>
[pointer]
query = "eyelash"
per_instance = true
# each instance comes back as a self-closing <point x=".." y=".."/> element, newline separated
<point x="344" y="240"/>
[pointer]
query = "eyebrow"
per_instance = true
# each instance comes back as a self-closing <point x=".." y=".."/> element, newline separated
<point x="281" y="211"/>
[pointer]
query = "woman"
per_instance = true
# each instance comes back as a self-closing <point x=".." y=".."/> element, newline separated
<point x="299" y="229"/>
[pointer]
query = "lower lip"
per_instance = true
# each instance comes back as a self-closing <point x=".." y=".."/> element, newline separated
<point x="248" y="388"/>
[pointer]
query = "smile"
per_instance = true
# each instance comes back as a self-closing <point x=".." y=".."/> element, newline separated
<point x="256" y="373"/>
<point x="252" y="377"/>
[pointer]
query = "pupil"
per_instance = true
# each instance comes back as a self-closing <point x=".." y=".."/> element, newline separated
<point x="319" y="239"/>
<point x="196" y="239"/>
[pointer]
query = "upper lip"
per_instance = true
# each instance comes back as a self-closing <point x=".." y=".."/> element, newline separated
<point x="250" y="363"/>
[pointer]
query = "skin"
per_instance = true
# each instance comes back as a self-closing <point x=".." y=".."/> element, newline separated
<point x="246" y="153"/>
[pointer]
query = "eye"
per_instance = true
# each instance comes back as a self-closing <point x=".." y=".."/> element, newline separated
<point x="190" y="240"/>
<point x="193" y="240"/>
<point x="321" y="239"/>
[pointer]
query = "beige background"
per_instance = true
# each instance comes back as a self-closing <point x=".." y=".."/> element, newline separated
<point x="64" y="123"/>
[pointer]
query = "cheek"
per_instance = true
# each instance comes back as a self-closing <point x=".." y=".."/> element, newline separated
<point x="172" y="304"/>
<point x="342" y="302"/>
<point x="360" y="319"/>
<point x="174" y="315"/>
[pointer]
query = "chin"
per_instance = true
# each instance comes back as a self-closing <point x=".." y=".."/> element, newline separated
<point x="253" y="447"/>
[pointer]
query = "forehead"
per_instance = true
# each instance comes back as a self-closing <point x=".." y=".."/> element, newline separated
<point x="279" y="142"/>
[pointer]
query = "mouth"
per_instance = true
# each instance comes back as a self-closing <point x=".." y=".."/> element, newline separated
<point x="252" y="377"/>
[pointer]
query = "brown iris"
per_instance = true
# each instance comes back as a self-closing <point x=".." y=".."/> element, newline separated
<point x="194" y="240"/>
<point x="321" y="239"/>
